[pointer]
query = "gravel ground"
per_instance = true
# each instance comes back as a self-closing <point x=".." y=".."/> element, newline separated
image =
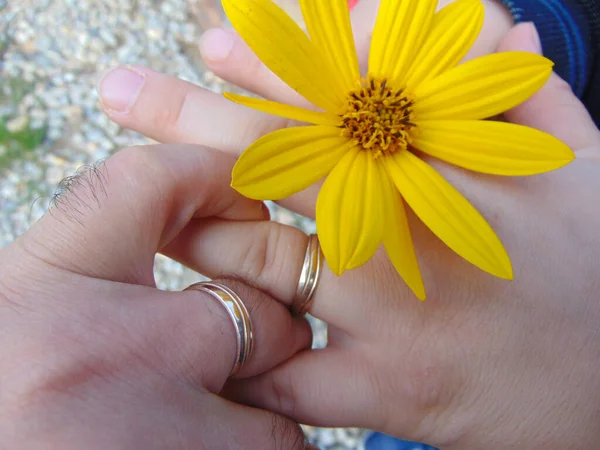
<point x="56" y="51"/>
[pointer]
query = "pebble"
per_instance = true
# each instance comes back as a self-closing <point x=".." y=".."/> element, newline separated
<point x="62" y="48"/>
<point x="17" y="124"/>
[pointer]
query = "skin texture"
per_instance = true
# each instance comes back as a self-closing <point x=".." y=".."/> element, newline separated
<point x="483" y="363"/>
<point x="93" y="356"/>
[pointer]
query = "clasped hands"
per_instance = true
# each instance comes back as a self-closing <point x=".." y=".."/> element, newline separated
<point x="94" y="356"/>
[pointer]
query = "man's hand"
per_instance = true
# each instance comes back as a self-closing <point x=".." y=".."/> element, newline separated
<point x="93" y="356"/>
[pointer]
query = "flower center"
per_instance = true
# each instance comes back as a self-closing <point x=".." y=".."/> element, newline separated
<point x="378" y="117"/>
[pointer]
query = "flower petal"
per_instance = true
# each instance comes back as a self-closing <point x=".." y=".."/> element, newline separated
<point x="328" y="24"/>
<point x="287" y="111"/>
<point x="349" y="211"/>
<point x="492" y="147"/>
<point x="287" y="161"/>
<point x="453" y="31"/>
<point x="398" y="243"/>
<point x="482" y="87"/>
<point x="285" y="49"/>
<point x="448" y="214"/>
<point x="400" y="29"/>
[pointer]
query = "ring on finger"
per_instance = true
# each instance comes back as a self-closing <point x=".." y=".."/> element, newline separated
<point x="239" y="316"/>
<point x="309" y="276"/>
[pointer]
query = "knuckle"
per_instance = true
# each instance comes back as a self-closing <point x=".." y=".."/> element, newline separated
<point x="561" y="85"/>
<point x="137" y="160"/>
<point x="139" y="168"/>
<point x="275" y="260"/>
<point x="284" y="395"/>
<point x="253" y="66"/>
<point x="431" y="389"/>
<point x="268" y="124"/>
<point x="257" y="302"/>
<point x="253" y="259"/>
<point x="274" y="255"/>
<point x="284" y="254"/>
<point x="169" y="117"/>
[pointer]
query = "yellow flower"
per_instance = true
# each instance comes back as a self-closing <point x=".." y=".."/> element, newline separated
<point x="367" y="129"/>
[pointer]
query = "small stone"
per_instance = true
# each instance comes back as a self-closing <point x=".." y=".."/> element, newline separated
<point x="108" y="37"/>
<point x="28" y="47"/>
<point x="54" y="134"/>
<point x="73" y="113"/>
<point x="17" y="124"/>
<point x="36" y="124"/>
<point x="54" y="175"/>
<point x="326" y="438"/>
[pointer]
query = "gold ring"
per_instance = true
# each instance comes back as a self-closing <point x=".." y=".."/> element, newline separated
<point x="239" y="316"/>
<point x="309" y="276"/>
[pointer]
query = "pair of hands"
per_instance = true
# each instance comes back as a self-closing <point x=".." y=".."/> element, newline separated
<point x="95" y="357"/>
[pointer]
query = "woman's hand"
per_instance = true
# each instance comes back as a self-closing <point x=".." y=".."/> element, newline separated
<point x="483" y="363"/>
<point x="93" y="356"/>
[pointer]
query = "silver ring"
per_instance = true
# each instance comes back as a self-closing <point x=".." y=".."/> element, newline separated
<point x="239" y="316"/>
<point x="309" y="276"/>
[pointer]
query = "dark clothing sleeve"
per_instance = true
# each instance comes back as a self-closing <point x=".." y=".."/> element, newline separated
<point x="570" y="35"/>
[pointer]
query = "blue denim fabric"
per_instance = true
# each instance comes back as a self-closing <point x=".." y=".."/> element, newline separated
<point x="565" y="35"/>
<point x="378" y="441"/>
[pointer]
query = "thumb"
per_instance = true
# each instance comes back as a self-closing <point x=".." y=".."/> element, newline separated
<point x="554" y="108"/>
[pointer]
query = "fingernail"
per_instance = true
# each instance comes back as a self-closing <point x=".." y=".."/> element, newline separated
<point x="535" y="39"/>
<point x="216" y="45"/>
<point x="120" y="88"/>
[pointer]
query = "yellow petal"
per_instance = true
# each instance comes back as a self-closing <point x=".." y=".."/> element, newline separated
<point x="448" y="214"/>
<point x="287" y="161"/>
<point x="328" y="25"/>
<point x="482" y="87"/>
<point x="398" y="242"/>
<point x="453" y="31"/>
<point x="400" y="29"/>
<point x="287" y="111"/>
<point x="492" y="147"/>
<point x="285" y="49"/>
<point x="349" y="211"/>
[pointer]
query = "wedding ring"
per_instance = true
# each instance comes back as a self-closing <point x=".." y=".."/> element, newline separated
<point x="239" y="316"/>
<point x="309" y="276"/>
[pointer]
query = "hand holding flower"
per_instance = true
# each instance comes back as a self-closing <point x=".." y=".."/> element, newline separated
<point x="483" y="362"/>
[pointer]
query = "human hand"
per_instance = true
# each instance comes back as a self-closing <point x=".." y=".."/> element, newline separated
<point x="483" y="363"/>
<point x="93" y="356"/>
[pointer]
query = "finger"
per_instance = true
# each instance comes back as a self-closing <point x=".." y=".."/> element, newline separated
<point x="111" y="220"/>
<point x="190" y="335"/>
<point x="363" y="19"/>
<point x="270" y="256"/>
<point x="277" y="335"/>
<point x="168" y="109"/>
<point x="330" y="388"/>
<point x="225" y="53"/>
<point x="182" y="340"/>
<point x="554" y="109"/>
<point x="248" y="428"/>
